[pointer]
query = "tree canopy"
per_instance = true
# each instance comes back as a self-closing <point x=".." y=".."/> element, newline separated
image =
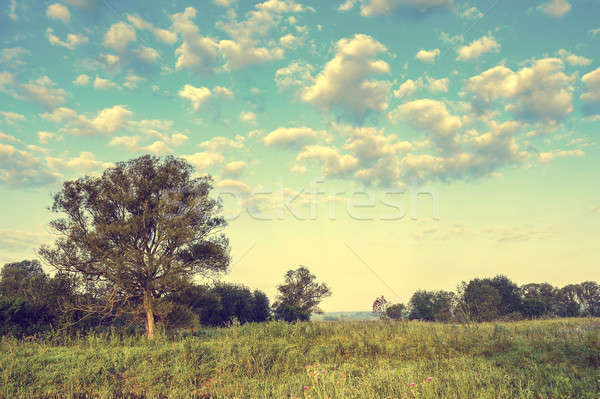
<point x="300" y="295"/>
<point x="138" y="232"/>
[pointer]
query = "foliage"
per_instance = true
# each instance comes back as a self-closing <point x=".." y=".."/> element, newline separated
<point x="396" y="311"/>
<point x="299" y="296"/>
<point x="143" y="229"/>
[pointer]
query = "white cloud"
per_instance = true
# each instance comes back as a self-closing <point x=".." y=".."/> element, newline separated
<point x="219" y="144"/>
<point x="248" y="117"/>
<point x="86" y="162"/>
<point x="132" y="81"/>
<point x="471" y="13"/>
<point x="347" y="5"/>
<point x="11" y="57"/>
<point x="477" y="48"/>
<point x="157" y="148"/>
<point x="291" y="137"/>
<point x="107" y="121"/>
<point x="104" y="84"/>
<point x="541" y="92"/>
<point x="73" y="39"/>
<point x="296" y="74"/>
<point x="290" y="41"/>
<point x="591" y="96"/>
<point x="12" y="117"/>
<point x="549" y="156"/>
<point x="346" y="80"/>
<point x="197" y="52"/>
<point x="197" y="96"/>
<point x="427" y="55"/>
<point x="408" y="87"/>
<point x="244" y="52"/>
<point x="437" y="85"/>
<point x="234" y="169"/>
<point x="332" y="162"/>
<point x="281" y="6"/>
<point x="131" y="143"/>
<point x="225" y="3"/>
<point x="146" y="54"/>
<point x="572" y="59"/>
<point x="119" y="36"/>
<point x="12" y="11"/>
<point x="20" y="168"/>
<point x="82" y="80"/>
<point x="433" y="117"/>
<point x="164" y="35"/>
<point x="555" y="8"/>
<point x="58" y="11"/>
<point x="45" y="137"/>
<point x="204" y="160"/>
<point x="385" y="7"/>
<point x="7" y="80"/>
<point x="44" y="91"/>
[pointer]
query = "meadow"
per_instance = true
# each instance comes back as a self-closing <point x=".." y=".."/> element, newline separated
<point x="557" y="358"/>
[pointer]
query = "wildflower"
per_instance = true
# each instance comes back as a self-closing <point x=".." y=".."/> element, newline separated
<point x="323" y="371"/>
<point x="429" y="378"/>
<point x="306" y="388"/>
<point x="412" y="384"/>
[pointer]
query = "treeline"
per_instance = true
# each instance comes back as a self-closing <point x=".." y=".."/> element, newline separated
<point x="496" y="298"/>
<point x="32" y="302"/>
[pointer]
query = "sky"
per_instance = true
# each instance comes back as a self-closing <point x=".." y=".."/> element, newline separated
<point x="387" y="145"/>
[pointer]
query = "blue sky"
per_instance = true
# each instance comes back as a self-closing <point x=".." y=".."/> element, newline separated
<point x="490" y="108"/>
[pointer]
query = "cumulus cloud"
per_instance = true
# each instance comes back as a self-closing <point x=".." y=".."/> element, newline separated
<point x="164" y="35"/>
<point x="234" y="169"/>
<point x="297" y="74"/>
<point x="86" y="162"/>
<point x="107" y="120"/>
<point x="119" y="36"/>
<point x="219" y="144"/>
<point x="19" y="168"/>
<point x="427" y="55"/>
<point x="46" y="137"/>
<point x="197" y="52"/>
<point x="386" y="7"/>
<point x="591" y="96"/>
<point x="332" y="162"/>
<point x="549" y="156"/>
<point x="471" y="13"/>
<point x="244" y="52"/>
<point x="292" y="137"/>
<point x="408" y="87"/>
<point x="437" y="85"/>
<point x="572" y="59"/>
<point x="224" y="3"/>
<point x="248" y="117"/>
<point x="146" y="54"/>
<point x="11" y="57"/>
<point x="58" y="11"/>
<point x="73" y="39"/>
<point x="541" y="92"/>
<point x="104" y="84"/>
<point x="346" y="81"/>
<point x="12" y="117"/>
<point x="477" y="48"/>
<point x="204" y="160"/>
<point x="433" y="117"/>
<point x="197" y="96"/>
<point x="43" y="91"/>
<point x="82" y="80"/>
<point x="555" y="8"/>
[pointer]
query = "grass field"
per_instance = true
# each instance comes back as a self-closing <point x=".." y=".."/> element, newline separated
<point x="536" y="359"/>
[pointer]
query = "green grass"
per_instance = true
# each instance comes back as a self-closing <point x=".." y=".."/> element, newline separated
<point x="537" y="359"/>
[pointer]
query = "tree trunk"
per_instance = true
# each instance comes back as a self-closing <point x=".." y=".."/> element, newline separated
<point x="149" y="315"/>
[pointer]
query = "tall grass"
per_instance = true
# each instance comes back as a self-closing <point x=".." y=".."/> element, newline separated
<point x="538" y="359"/>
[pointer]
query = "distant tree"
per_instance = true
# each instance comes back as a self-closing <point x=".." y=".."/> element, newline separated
<point x="396" y="311"/>
<point x="262" y="310"/>
<point x="533" y="307"/>
<point x="510" y="297"/>
<point x="25" y="280"/>
<point x="443" y="305"/>
<point x="482" y="300"/>
<point x="299" y="296"/>
<point x="568" y="302"/>
<point x="380" y="306"/>
<point x="421" y="306"/>
<point x="589" y="295"/>
<point x="543" y="292"/>
<point x="143" y="229"/>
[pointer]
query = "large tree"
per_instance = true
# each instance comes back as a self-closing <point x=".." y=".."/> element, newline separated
<point x="137" y="233"/>
<point x="299" y="296"/>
